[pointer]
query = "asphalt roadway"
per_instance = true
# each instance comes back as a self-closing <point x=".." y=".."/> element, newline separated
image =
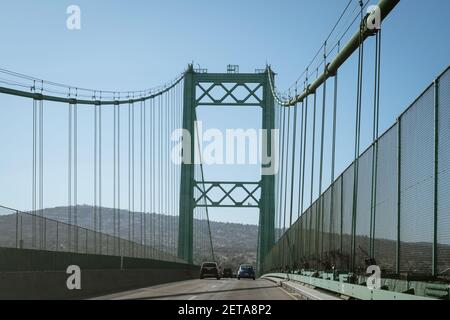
<point x="207" y="289"/>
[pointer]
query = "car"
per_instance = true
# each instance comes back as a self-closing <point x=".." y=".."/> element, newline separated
<point x="246" y="271"/>
<point x="227" y="273"/>
<point x="209" y="270"/>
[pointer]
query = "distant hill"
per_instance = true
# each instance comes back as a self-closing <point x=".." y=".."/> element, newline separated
<point x="233" y="243"/>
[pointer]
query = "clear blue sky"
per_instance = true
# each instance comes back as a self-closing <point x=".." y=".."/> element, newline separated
<point x="127" y="45"/>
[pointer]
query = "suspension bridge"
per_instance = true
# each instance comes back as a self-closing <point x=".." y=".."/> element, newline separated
<point x="149" y="219"/>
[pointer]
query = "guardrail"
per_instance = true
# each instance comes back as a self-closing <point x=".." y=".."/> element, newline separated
<point x="355" y="291"/>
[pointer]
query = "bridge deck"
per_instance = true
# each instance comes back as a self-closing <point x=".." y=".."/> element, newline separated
<point x="207" y="289"/>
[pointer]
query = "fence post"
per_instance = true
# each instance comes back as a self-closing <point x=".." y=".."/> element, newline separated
<point x="399" y="157"/>
<point x="436" y="173"/>
<point x="21" y="232"/>
<point x="87" y="236"/>
<point x="373" y="201"/>
<point x="342" y="216"/>
<point x="17" y="229"/>
<point x="57" y="235"/>
<point x="45" y="233"/>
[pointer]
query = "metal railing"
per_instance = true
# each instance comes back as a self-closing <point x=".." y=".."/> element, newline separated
<point x="28" y="231"/>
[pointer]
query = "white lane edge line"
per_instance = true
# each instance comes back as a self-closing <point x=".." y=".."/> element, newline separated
<point x="282" y="289"/>
<point x="192" y="298"/>
<point x="288" y="293"/>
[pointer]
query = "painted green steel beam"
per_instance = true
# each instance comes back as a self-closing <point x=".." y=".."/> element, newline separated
<point x="267" y="202"/>
<point x="192" y="81"/>
<point x="255" y="183"/>
<point x="212" y="205"/>
<point x="347" y="289"/>
<point x="249" y="194"/>
<point x="186" y="206"/>
<point x="220" y="104"/>
<point x="238" y="78"/>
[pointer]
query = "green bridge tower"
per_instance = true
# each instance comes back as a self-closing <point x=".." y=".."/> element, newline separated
<point x="239" y="90"/>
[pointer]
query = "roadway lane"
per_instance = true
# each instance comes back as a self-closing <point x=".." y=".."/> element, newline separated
<point x="207" y="289"/>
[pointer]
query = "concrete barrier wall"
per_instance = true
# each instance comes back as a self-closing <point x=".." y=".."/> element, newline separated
<point x="34" y="274"/>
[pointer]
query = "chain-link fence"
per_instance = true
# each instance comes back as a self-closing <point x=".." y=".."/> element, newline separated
<point x="28" y="231"/>
<point x="393" y="211"/>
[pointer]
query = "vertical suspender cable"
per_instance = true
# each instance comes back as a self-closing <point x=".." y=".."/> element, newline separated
<point x="333" y="143"/>
<point x="169" y="184"/>
<point x="357" y="134"/>
<point x="152" y="177"/>
<point x="155" y="179"/>
<point x="34" y="173"/>
<point x="129" y="178"/>
<point x="280" y="175"/>
<point x="174" y="168"/>
<point x="41" y="172"/>
<point x="333" y="155"/>
<point x="144" y="168"/>
<point x="75" y="173"/>
<point x="100" y="204"/>
<point x="162" y="176"/>
<point x="301" y="181"/>
<point x="141" y="205"/>
<point x="296" y="231"/>
<point x="166" y="170"/>
<point x="133" y="221"/>
<point x="305" y="132"/>
<point x="141" y="171"/>
<point x="69" y="178"/>
<point x="287" y="165"/>
<point x="300" y="170"/>
<point x="119" y="247"/>
<point x="175" y="171"/>
<point x="285" y="177"/>
<point x="95" y="174"/>
<point x="313" y="146"/>
<point x="172" y="183"/>
<point x="277" y="180"/>
<point x="115" y="175"/>
<point x="322" y="135"/>
<point x="280" y="196"/>
<point x="294" y="135"/>
<point x="304" y="145"/>
<point x="202" y="177"/>
<point x="169" y="172"/>
<point x="160" y="195"/>
<point x="114" y="171"/>
<point x="320" y="215"/>
<point x="376" y="111"/>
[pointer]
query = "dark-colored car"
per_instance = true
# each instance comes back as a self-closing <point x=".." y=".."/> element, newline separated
<point x="209" y="270"/>
<point x="227" y="273"/>
<point x="246" y="271"/>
